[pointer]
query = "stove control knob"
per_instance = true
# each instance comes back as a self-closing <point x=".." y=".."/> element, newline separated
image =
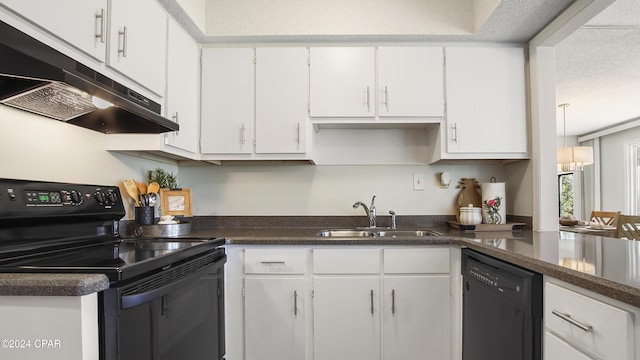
<point x="113" y="198"/>
<point x="76" y="197"/>
<point x="100" y="197"/>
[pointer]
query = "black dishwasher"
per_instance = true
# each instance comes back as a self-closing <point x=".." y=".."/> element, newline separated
<point x="501" y="310"/>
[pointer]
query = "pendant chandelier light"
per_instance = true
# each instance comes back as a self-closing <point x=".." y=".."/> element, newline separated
<point x="572" y="158"/>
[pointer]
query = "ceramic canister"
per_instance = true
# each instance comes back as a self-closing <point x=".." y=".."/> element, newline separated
<point x="470" y="215"/>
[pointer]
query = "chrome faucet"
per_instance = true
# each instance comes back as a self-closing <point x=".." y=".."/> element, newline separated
<point x="370" y="211"/>
<point x="393" y="219"/>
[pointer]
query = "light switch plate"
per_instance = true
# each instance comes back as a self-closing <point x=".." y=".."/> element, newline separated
<point x="418" y="182"/>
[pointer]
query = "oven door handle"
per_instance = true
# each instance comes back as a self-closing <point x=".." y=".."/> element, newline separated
<point x="161" y="285"/>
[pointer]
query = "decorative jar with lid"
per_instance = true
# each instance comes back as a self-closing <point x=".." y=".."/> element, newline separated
<point x="470" y="215"/>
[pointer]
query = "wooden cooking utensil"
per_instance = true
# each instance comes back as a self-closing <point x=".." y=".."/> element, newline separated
<point x="153" y="188"/>
<point x="132" y="190"/>
<point x="142" y="187"/>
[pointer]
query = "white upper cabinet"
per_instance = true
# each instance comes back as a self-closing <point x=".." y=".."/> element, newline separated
<point x="410" y="82"/>
<point x="254" y="103"/>
<point x="281" y="100"/>
<point x="183" y="63"/>
<point x="227" y="101"/>
<point x="342" y="82"/>
<point x="486" y="101"/>
<point x="128" y="36"/>
<point x="82" y="23"/>
<point x="137" y="42"/>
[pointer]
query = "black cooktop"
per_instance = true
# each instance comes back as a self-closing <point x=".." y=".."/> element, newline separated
<point x="122" y="259"/>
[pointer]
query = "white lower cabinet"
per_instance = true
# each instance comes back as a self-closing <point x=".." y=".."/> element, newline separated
<point x="416" y="317"/>
<point x="556" y="348"/>
<point x="341" y="302"/>
<point x="346" y="318"/>
<point x="275" y="318"/>
<point x="417" y="304"/>
<point x="582" y="325"/>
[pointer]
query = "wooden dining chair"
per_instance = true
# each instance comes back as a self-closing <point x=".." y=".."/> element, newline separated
<point x="607" y="218"/>
<point x="628" y="226"/>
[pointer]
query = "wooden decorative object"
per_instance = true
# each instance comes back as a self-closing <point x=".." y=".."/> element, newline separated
<point x="468" y="195"/>
<point x="175" y="202"/>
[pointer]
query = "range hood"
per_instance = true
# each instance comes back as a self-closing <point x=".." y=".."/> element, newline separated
<point x="39" y="79"/>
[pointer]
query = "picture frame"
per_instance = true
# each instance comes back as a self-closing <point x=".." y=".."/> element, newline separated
<point x="175" y="202"/>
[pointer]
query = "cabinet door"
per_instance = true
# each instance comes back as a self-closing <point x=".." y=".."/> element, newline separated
<point x="410" y="81"/>
<point x="282" y="100"/>
<point x="346" y="317"/>
<point x="182" y="88"/>
<point x="485" y="95"/>
<point x="82" y="23"/>
<point x="138" y="41"/>
<point x="416" y="317"/>
<point x="342" y="81"/>
<point x="275" y="316"/>
<point x="555" y="348"/>
<point x="227" y="101"/>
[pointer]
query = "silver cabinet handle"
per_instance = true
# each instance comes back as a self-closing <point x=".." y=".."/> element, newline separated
<point x="295" y="303"/>
<point x="455" y="133"/>
<point x="123" y="33"/>
<point x="567" y="318"/>
<point x="272" y="262"/>
<point x="386" y="98"/>
<point x="393" y="301"/>
<point x="298" y="130"/>
<point x="100" y="34"/>
<point x="242" y="137"/>
<point x="176" y="119"/>
<point x="371" y="302"/>
<point x="368" y="100"/>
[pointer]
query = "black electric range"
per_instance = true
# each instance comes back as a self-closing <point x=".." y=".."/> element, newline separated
<point x="49" y="227"/>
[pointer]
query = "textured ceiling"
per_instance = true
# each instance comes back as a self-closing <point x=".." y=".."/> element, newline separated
<point x="255" y="21"/>
<point x="598" y="70"/>
<point x="598" y="67"/>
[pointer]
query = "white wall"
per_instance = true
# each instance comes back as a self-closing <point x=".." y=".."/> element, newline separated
<point x="339" y="17"/>
<point x="612" y="183"/>
<point x="326" y="190"/>
<point x="38" y="148"/>
<point x="33" y="147"/>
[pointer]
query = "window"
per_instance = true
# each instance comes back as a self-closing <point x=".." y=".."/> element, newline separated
<point x="565" y="194"/>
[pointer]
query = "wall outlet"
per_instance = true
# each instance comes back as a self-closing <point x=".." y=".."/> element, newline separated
<point x="418" y="182"/>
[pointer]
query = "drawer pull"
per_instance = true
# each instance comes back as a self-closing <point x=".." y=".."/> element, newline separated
<point x="273" y="262"/>
<point x="567" y="318"/>
<point x="295" y="303"/>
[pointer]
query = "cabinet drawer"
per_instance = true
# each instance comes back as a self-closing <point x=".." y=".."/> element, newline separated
<point x="555" y="348"/>
<point x="611" y="333"/>
<point x="416" y="261"/>
<point x="346" y="261"/>
<point x="274" y="261"/>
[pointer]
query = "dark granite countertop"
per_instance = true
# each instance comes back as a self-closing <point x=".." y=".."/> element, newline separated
<point x="607" y="266"/>
<point x="36" y="284"/>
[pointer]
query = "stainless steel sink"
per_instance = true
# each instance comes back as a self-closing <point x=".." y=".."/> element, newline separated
<point x="347" y="233"/>
<point x="395" y="232"/>
<point x="376" y="233"/>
